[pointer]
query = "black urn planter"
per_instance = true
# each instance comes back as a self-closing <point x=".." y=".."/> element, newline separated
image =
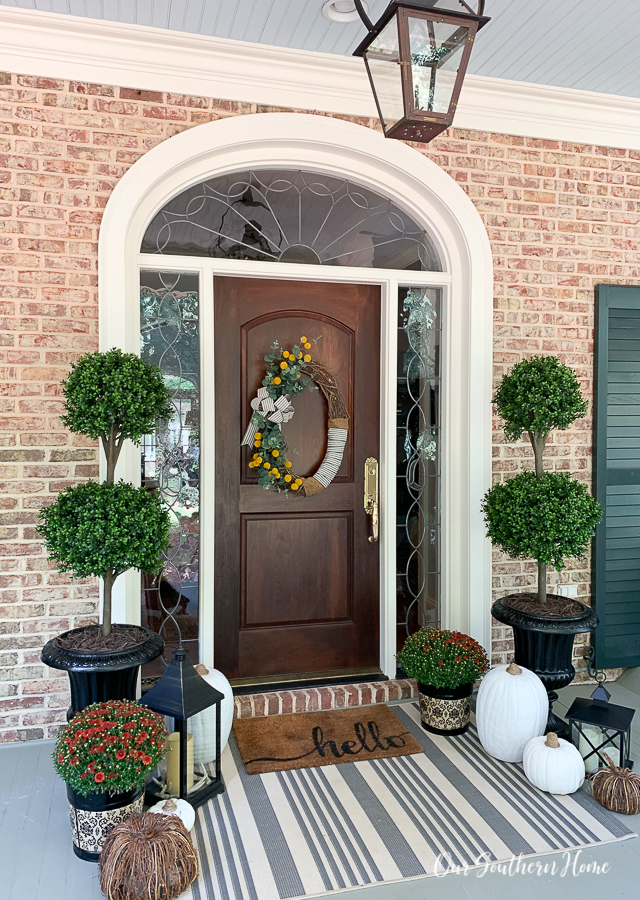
<point x="445" y="710"/>
<point x="94" y="816"/>
<point x="96" y="676"/>
<point x="544" y="644"/>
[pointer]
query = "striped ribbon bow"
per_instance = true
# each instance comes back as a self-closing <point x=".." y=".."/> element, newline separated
<point x="278" y="411"/>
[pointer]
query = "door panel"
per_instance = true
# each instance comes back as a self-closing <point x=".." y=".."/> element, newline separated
<point x="297" y="581"/>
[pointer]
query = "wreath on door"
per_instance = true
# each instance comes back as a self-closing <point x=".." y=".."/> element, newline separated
<point x="288" y="373"/>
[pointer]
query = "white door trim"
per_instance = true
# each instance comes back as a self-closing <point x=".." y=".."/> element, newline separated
<point x="431" y="198"/>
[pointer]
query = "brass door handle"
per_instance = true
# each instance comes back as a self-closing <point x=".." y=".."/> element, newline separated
<point x="371" y="495"/>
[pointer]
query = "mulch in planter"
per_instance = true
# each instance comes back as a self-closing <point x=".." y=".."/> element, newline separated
<point x="555" y="605"/>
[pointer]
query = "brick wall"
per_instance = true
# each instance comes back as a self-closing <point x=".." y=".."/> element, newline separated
<point x="561" y="218"/>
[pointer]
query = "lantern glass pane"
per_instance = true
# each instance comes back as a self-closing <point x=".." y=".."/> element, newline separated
<point x="436" y="54"/>
<point x="383" y="62"/>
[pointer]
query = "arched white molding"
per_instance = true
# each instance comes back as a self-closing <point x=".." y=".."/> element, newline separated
<point x="433" y="199"/>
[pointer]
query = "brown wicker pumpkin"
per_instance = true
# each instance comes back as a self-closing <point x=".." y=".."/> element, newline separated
<point x="617" y="789"/>
<point x="147" y="857"/>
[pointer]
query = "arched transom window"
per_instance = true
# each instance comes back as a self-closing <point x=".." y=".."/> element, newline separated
<point x="290" y="216"/>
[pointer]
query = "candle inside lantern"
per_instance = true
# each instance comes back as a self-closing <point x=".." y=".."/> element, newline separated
<point x="173" y="763"/>
<point x="596" y="737"/>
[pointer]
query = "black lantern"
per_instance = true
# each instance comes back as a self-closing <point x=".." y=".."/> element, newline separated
<point x="597" y="727"/>
<point x="416" y="57"/>
<point x="182" y="693"/>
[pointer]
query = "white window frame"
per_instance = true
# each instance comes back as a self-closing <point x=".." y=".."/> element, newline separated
<point x="433" y="200"/>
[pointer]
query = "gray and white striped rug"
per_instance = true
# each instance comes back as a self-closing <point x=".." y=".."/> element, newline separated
<point x="310" y="831"/>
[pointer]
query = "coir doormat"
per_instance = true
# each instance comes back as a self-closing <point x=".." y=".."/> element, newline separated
<point x="304" y="740"/>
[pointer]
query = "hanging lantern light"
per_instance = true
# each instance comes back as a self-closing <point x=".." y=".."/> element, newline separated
<point x="416" y="57"/>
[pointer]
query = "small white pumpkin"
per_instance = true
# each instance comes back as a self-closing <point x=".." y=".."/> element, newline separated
<point x="176" y="807"/>
<point x="553" y="765"/>
<point x="512" y="707"/>
<point x="203" y="725"/>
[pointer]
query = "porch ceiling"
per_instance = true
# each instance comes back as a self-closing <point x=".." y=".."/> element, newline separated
<point x="583" y="44"/>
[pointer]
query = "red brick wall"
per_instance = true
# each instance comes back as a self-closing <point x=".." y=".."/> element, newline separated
<point x="560" y="217"/>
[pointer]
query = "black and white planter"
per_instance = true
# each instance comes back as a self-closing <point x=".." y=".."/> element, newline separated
<point x="445" y="710"/>
<point x="544" y="644"/>
<point x="96" y="676"/>
<point x="94" y="816"/>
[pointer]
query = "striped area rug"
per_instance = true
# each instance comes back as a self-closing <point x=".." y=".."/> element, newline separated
<point x="311" y="831"/>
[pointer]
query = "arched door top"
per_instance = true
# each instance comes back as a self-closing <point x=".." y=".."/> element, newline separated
<point x="421" y="191"/>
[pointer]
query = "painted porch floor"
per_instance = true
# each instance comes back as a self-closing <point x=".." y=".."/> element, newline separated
<point x="37" y="861"/>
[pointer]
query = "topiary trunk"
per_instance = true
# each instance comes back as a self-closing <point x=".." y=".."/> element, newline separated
<point x="538" y="442"/>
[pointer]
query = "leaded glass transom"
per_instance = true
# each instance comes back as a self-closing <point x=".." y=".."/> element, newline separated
<point x="290" y="216"/>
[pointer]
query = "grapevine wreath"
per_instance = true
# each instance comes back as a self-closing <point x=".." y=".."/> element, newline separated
<point x="288" y="373"/>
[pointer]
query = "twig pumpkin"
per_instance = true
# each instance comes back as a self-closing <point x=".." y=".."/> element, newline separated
<point x="148" y="857"/>
<point x="617" y="789"/>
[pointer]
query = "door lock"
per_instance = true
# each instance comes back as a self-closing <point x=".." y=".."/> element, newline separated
<point x="371" y="495"/>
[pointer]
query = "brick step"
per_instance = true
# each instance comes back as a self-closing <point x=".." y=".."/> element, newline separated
<point x="363" y="693"/>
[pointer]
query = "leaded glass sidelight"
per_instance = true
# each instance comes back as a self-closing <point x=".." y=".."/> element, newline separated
<point x="290" y="216"/>
<point x="418" y="460"/>
<point x="169" y="337"/>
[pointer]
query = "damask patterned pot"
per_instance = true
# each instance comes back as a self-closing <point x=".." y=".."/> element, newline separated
<point x="93" y="817"/>
<point x="445" y="710"/>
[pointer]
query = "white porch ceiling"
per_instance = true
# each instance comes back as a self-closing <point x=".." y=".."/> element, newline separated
<point x="585" y="44"/>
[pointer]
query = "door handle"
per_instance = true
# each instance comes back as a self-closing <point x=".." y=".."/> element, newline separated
<point x="371" y="495"/>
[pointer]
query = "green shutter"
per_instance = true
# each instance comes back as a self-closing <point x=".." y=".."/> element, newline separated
<point x="616" y="569"/>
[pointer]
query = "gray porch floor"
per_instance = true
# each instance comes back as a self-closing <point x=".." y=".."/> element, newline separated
<point x="37" y="860"/>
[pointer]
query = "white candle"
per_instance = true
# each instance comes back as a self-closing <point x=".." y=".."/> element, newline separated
<point x="596" y="737"/>
<point x="173" y="763"/>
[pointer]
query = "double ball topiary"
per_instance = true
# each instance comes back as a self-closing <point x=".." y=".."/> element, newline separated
<point x="105" y="529"/>
<point x="543" y="516"/>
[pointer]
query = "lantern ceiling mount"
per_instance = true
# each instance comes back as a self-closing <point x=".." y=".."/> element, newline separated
<point x="416" y="56"/>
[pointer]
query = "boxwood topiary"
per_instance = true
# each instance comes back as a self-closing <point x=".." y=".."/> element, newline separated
<point x="544" y="516"/>
<point x="105" y="529"/>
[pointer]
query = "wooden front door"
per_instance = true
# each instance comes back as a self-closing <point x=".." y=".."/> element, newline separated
<point x="296" y="578"/>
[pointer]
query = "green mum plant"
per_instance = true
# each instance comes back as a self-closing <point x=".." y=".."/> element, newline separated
<point x="105" y="529"/>
<point x="109" y="746"/>
<point x="443" y="659"/>
<point x="544" y="516"/>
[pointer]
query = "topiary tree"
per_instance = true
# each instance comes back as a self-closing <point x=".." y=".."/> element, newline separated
<point x="105" y="529"/>
<point x="544" y="516"/>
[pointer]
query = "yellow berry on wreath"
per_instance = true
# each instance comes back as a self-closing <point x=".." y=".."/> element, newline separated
<point x="288" y="464"/>
<point x="275" y="453"/>
<point x="286" y="354"/>
<point x="252" y="465"/>
<point x="303" y="340"/>
<point x="307" y="358"/>
<point x="284" y="365"/>
<point x="298" y="481"/>
<point x="307" y="346"/>
<point x="277" y="381"/>
<point x="287" y="478"/>
<point x="267" y="465"/>
<point x="258" y="435"/>
<point x="294" y="487"/>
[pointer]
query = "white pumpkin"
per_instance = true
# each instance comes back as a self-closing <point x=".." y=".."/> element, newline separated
<point x="512" y="707"/>
<point x="553" y="765"/>
<point x="176" y="807"/>
<point x="203" y="725"/>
